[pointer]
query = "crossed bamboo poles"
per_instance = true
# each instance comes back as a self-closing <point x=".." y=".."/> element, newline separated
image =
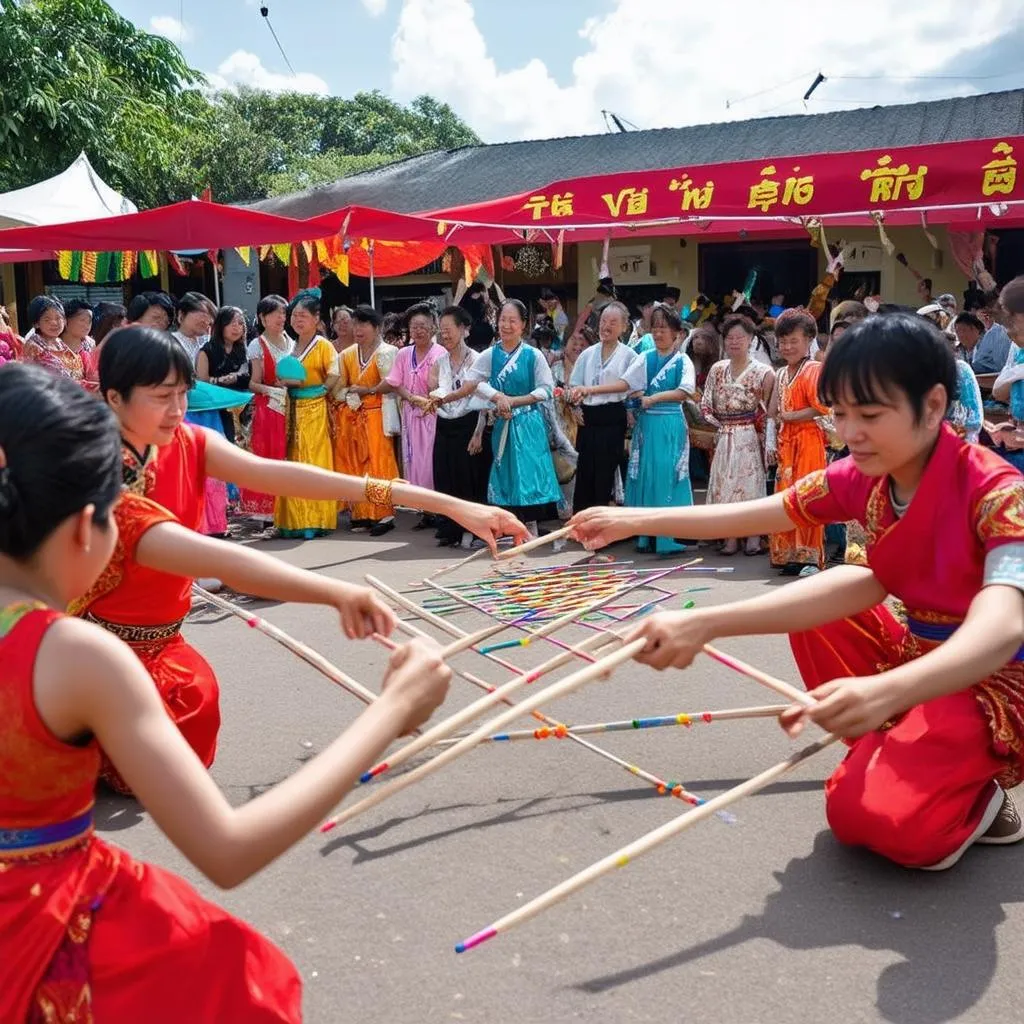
<point x="597" y="668"/>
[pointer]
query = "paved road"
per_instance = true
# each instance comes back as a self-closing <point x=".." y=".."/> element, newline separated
<point x="763" y="920"/>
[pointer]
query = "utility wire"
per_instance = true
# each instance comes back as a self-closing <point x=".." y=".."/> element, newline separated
<point x="265" y="11"/>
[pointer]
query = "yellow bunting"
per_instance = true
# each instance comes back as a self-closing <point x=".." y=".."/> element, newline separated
<point x="244" y="253"/>
<point x="283" y="251"/>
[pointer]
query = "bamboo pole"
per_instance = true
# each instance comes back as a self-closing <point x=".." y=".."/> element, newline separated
<point x="586" y="674"/>
<point x="620" y="858"/>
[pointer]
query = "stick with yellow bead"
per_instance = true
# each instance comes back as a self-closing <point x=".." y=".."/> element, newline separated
<point x="620" y="858"/>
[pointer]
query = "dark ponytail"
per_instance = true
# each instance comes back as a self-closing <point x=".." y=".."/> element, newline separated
<point x="62" y="451"/>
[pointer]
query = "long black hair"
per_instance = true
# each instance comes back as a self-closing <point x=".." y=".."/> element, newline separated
<point x="225" y="315"/>
<point x="140" y="357"/>
<point x="62" y="451"/>
<point x="875" y="360"/>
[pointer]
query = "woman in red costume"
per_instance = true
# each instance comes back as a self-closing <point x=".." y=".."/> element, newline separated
<point x="143" y="595"/>
<point x="933" y="709"/>
<point x="86" y="932"/>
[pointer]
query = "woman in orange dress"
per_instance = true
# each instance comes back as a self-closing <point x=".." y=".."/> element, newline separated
<point x="800" y="449"/>
<point x="143" y="595"/>
<point x="86" y="932"/>
<point x="360" y="445"/>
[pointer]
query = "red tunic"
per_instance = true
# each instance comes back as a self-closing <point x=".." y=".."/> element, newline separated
<point x="86" y="932"/>
<point x="915" y="790"/>
<point x="146" y="609"/>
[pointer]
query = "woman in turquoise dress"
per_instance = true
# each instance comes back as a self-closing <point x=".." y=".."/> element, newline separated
<point x="517" y="378"/>
<point x="659" y="458"/>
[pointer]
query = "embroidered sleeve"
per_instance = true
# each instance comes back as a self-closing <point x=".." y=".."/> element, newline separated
<point x="134" y="515"/>
<point x="999" y="515"/>
<point x="811" y="501"/>
<point x="1005" y="565"/>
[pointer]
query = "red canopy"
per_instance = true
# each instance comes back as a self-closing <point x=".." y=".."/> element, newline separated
<point x="202" y="225"/>
<point x="949" y="182"/>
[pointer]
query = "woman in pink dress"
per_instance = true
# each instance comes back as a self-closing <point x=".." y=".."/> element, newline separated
<point x="269" y="436"/>
<point x="410" y="379"/>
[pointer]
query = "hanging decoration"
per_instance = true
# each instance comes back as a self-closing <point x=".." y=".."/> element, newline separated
<point x="105" y="267"/>
<point x="532" y="261"/>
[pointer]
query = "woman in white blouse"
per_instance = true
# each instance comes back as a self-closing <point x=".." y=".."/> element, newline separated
<point x="600" y="380"/>
<point x="462" y="463"/>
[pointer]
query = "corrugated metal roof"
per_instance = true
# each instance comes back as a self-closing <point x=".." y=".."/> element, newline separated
<point x="473" y="174"/>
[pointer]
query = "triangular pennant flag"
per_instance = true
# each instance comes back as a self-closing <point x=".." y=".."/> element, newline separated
<point x="244" y="252"/>
<point x="307" y="248"/>
<point x="283" y="251"/>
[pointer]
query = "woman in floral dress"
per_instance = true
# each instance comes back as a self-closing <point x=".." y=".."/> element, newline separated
<point x="737" y="388"/>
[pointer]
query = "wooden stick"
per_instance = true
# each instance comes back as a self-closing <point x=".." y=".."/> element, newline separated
<point x="478" y="707"/>
<point x="645" y="843"/>
<point x="537" y="542"/>
<point x="307" y="654"/>
<point x="451" y="567"/>
<point x="787" y="690"/>
<point x="472" y="639"/>
<point x="587" y="674"/>
<point x="633" y="724"/>
<point x="666" y="787"/>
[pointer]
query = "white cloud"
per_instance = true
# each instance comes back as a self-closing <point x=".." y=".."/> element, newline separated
<point x="244" y="68"/>
<point x="165" y="25"/>
<point x="659" y="65"/>
<point x="375" y="7"/>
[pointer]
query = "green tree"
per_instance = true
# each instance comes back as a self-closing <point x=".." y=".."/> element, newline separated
<point x="75" y="75"/>
<point x="259" y="144"/>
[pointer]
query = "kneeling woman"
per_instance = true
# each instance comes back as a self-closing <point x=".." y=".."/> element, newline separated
<point x="86" y="932"/>
<point x="143" y="595"/>
<point x="934" y="708"/>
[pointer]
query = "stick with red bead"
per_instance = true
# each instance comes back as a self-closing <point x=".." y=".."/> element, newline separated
<point x="599" y="669"/>
<point x="684" y="719"/>
<point x="663" y="786"/>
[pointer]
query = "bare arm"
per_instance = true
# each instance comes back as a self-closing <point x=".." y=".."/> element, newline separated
<point x="602" y="525"/>
<point x="256" y="385"/>
<point x="110" y="695"/>
<point x="989" y="637"/>
<point x="773" y="402"/>
<point x="225" y="461"/>
<point x="203" y="367"/>
<point x="171" y="548"/>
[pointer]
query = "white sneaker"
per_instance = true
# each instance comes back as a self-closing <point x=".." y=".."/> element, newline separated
<point x="467" y="541"/>
<point x="211" y="583"/>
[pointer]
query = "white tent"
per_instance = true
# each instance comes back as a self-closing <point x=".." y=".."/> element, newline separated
<point x="78" y="193"/>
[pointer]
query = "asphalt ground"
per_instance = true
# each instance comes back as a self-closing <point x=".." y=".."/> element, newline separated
<point x="765" y="919"/>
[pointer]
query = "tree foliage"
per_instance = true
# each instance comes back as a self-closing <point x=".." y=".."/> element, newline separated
<point x="75" y="75"/>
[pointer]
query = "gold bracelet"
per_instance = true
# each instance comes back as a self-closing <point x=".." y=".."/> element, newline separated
<point x="377" y="492"/>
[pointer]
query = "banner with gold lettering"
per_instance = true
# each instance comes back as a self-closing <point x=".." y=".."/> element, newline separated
<point x="951" y="181"/>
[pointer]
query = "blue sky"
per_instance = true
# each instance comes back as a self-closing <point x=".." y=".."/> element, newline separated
<point x="540" y="68"/>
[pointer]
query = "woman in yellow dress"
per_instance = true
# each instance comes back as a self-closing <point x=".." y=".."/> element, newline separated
<point x="360" y="445"/>
<point x="308" y="376"/>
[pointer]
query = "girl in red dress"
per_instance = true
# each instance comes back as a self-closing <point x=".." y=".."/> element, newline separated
<point x="933" y="707"/>
<point x="86" y="932"/>
<point x="143" y="595"/>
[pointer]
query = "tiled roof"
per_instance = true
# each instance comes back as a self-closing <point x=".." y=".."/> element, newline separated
<point x="473" y="174"/>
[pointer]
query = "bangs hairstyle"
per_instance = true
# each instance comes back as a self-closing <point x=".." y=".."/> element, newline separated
<point x="146" y="300"/>
<point x="270" y="304"/>
<point x="673" y="321"/>
<point x="366" y="315"/>
<point x="142" y="357"/>
<point x="63" y="452"/>
<point x="879" y="358"/>
<point x="741" y="321"/>
<point x="458" y="315"/>
<point x="789" y="321"/>
<point x="421" y="309"/>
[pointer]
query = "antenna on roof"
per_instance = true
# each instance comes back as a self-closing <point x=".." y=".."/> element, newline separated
<point x="616" y="120"/>
<point x="814" y="85"/>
